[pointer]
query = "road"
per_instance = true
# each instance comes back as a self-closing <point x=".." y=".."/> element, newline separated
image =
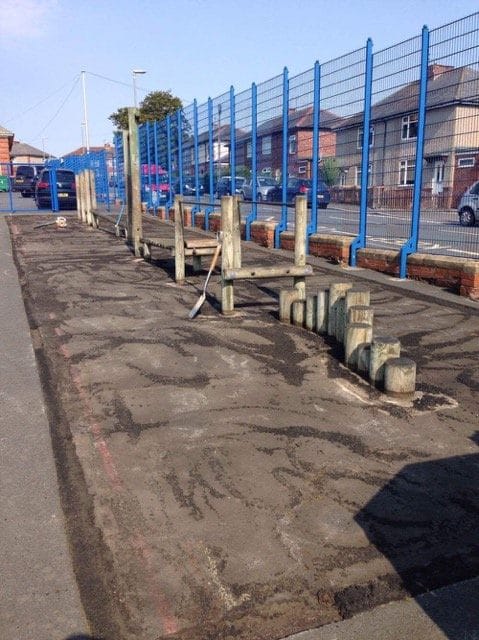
<point x="440" y="232"/>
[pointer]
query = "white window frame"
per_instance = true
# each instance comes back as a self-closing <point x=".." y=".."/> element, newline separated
<point x="466" y="162"/>
<point x="302" y="168"/>
<point x="406" y="166"/>
<point x="406" y="123"/>
<point x="359" y="141"/>
<point x="343" y="178"/>
<point x="292" y="145"/>
<point x="249" y="149"/>
<point x="357" y="175"/>
<point x="266" y="146"/>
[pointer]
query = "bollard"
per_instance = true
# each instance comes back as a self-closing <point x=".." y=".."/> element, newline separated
<point x="363" y="352"/>
<point x="360" y="313"/>
<point x="337" y="292"/>
<point x="286" y="299"/>
<point x="310" y="313"/>
<point x="357" y="333"/>
<point x="322" y="304"/>
<point x="298" y="312"/>
<point x="400" y="377"/>
<point x="382" y="349"/>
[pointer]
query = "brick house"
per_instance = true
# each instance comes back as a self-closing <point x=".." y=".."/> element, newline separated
<point x="6" y="142"/>
<point x="269" y="144"/>
<point x="23" y="153"/>
<point x="451" y="148"/>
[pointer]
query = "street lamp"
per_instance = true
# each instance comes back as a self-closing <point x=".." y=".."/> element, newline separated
<point x="136" y="72"/>
<point x="43" y="149"/>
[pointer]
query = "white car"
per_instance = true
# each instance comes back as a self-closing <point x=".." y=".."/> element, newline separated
<point x="263" y="189"/>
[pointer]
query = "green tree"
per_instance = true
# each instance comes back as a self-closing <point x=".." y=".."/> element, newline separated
<point x="155" y="106"/>
<point x="330" y="171"/>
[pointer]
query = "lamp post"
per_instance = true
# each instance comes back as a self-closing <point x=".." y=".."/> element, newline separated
<point x="136" y="72"/>
<point x="43" y="149"/>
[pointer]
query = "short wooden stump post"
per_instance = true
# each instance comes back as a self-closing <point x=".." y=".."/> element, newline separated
<point x="322" y="308"/>
<point x="299" y="312"/>
<point x="363" y="357"/>
<point x="337" y="294"/>
<point x="382" y="349"/>
<point x="310" y="313"/>
<point x="360" y="313"/>
<point x="357" y="333"/>
<point x="357" y="295"/>
<point x="286" y="299"/>
<point x="400" y="377"/>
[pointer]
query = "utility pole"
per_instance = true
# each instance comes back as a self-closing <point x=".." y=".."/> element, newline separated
<point x="85" y="113"/>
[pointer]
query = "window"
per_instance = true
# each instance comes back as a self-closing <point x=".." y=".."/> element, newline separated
<point x="342" y="178"/>
<point x="266" y="146"/>
<point x="293" y="145"/>
<point x="359" y="174"/>
<point x="465" y="162"/>
<point x="302" y="169"/>
<point x="409" y="127"/>
<point x="248" y="150"/>
<point x="360" y="138"/>
<point x="406" y="172"/>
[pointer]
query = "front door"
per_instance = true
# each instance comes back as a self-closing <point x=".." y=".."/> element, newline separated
<point x="438" y="178"/>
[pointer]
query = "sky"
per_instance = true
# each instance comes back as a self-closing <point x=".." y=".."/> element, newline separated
<point x="194" y="48"/>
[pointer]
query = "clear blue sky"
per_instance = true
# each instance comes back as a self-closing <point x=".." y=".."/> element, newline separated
<point x="195" y="48"/>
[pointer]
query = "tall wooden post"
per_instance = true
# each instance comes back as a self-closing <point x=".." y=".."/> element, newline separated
<point x="78" y="195"/>
<point x="301" y="222"/>
<point x="236" y="232"/>
<point x="133" y="183"/>
<point x="126" y="173"/>
<point x="227" y="253"/>
<point x="179" y="241"/>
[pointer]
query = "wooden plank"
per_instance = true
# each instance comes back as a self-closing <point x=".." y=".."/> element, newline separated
<point x="246" y="273"/>
<point x="193" y="243"/>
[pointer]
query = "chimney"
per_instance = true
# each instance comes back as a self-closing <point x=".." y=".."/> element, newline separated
<point x="436" y="70"/>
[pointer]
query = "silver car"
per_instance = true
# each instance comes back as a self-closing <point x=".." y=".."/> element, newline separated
<point x="468" y="209"/>
<point x="263" y="188"/>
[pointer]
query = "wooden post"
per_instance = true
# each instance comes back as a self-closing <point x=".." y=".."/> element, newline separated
<point x="237" y="232"/>
<point x="126" y="169"/>
<point x="310" y="321"/>
<point x="134" y="191"/>
<point x="360" y="313"/>
<point x="299" y="312"/>
<point x="356" y="334"/>
<point x="227" y="254"/>
<point x="87" y="192"/>
<point x="179" y="241"/>
<point x="94" y="221"/>
<point x="78" y="194"/>
<point x="286" y="299"/>
<point x="400" y="377"/>
<point x="322" y="305"/>
<point x="363" y="357"/>
<point x="337" y="292"/>
<point x="300" y="231"/>
<point x="81" y="180"/>
<point x="382" y="348"/>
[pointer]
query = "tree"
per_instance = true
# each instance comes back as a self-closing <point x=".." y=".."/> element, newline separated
<point x="155" y="106"/>
<point x="330" y="171"/>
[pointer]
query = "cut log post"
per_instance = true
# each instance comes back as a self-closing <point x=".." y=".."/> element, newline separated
<point x="227" y="254"/>
<point x="310" y="313"/>
<point x="400" y="377"/>
<point x="322" y="311"/>
<point x="357" y="333"/>
<point x="382" y="349"/>
<point x="299" y="312"/>
<point x="337" y="292"/>
<point x="360" y="313"/>
<point x="363" y="358"/>
<point x="78" y="193"/>
<point x="300" y="238"/>
<point x="357" y="295"/>
<point x="286" y="299"/>
<point x="179" y="241"/>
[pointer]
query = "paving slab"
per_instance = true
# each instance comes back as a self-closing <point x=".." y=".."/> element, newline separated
<point x="229" y="477"/>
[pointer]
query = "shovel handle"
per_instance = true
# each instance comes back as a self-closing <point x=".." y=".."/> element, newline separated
<point x="212" y="265"/>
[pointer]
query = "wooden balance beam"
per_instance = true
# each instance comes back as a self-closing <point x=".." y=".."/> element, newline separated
<point x="231" y="269"/>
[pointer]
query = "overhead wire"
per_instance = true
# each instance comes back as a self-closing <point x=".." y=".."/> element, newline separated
<point x="75" y="82"/>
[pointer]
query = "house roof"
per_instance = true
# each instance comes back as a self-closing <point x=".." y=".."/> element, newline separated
<point x="445" y="86"/>
<point x="24" y="149"/>
<point x="299" y="119"/>
<point x="81" y="151"/>
<point x="5" y="133"/>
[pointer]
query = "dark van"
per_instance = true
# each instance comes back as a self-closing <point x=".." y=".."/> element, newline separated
<point x="25" y="179"/>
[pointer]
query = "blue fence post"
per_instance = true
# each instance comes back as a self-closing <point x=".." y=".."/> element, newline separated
<point x="156" y="158"/>
<point x="196" y="207"/>
<point x="211" y="164"/>
<point x="313" y="223"/>
<point x="148" y="162"/>
<point x="180" y="148"/>
<point x="360" y="241"/>
<point x="232" y="141"/>
<point x="254" y="162"/>
<point x="54" y="190"/>
<point x="170" y="167"/>
<point x="283" y="225"/>
<point x="411" y="245"/>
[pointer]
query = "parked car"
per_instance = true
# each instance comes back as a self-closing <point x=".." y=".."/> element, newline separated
<point x="26" y="177"/>
<point x="302" y="187"/>
<point x="189" y="186"/>
<point x="223" y="187"/>
<point x="468" y="209"/>
<point x="159" y="187"/>
<point x="264" y="186"/>
<point x="66" y="191"/>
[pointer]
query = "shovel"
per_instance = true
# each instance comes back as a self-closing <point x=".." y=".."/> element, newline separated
<point x="202" y="297"/>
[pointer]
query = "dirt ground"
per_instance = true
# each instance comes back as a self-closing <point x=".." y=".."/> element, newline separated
<point x="228" y="477"/>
